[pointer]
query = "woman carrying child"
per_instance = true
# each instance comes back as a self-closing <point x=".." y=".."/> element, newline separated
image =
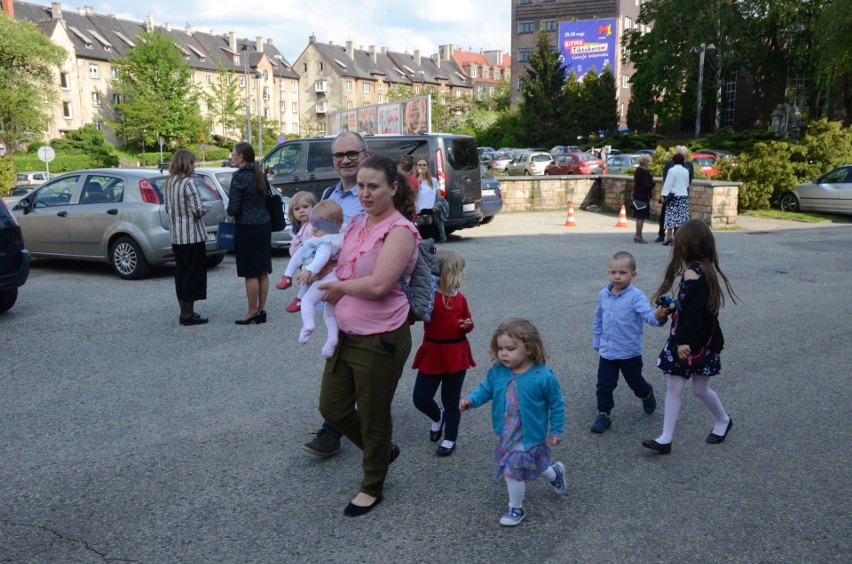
<point x="692" y="350"/>
<point x="526" y="399"/>
<point x="444" y="357"/>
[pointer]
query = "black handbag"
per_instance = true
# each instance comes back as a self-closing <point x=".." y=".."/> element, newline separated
<point x="639" y="204"/>
<point x="275" y="207"/>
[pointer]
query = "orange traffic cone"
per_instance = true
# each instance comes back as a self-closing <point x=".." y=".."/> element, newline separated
<point x="622" y="217"/>
<point x="569" y="221"/>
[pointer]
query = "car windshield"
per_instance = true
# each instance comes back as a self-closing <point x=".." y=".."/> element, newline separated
<point x="462" y="155"/>
<point x="541" y="158"/>
<point x="704" y="161"/>
<point x="585" y="157"/>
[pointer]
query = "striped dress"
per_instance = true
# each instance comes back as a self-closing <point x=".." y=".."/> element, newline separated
<point x="183" y="205"/>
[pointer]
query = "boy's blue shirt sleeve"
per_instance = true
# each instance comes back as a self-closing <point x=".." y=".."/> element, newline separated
<point x="642" y="307"/>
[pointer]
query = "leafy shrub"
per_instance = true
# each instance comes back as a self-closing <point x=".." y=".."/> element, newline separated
<point x="767" y="171"/>
<point x="736" y="142"/>
<point x="827" y="145"/>
<point x="7" y="175"/>
<point x="64" y="162"/>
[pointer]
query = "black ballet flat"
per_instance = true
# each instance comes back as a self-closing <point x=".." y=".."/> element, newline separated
<point x="353" y="510"/>
<point x="446" y="451"/>
<point x="394" y="452"/>
<point x="715" y="439"/>
<point x="256" y="318"/>
<point x="194" y="319"/>
<point x="659" y="448"/>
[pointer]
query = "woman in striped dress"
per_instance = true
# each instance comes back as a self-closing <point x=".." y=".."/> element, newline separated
<point x="185" y="210"/>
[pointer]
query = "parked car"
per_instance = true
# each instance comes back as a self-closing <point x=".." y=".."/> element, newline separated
<point x="617" y="164"/>
<point x="219" y="178"/>
<point x="528" y="163"/>
<point x="14" y="259"/>
<point x="499" y="160"/>
<point x="560" y="150"/>
<point x="718" y="153"/>
<point x="306" y="164"/>
<point x="16" y="193"/>
<point x="227" y="162"/>
<point x="482" y="150"/>
<point x="32" y="178"/>
<point x="110" y="215"/>
<point x="492" y="197"/>
<point x="651" y="152"/>
<point x="485" y="158"/>
<point x="575" y="163"/>
<point x="706" y="163"/>
<point x="830" y="193"/>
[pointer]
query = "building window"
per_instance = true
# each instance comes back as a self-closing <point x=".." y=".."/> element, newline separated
<point x="228" y="79"/>
<point x="549" y="25"/>
<point x="524" y="55"/>
<point x="64" y="81"/>
<point x="236" y="60"/>
<point x="381" y="98"/>
<point x="522" y="84"/>
<point x="321" y="67"/>
<point x="625" y="81"/>
<point x="348" y="105"/>
<point x="100" y="125"/>
<point x="207" y="80"/>
<point x="526" y="26"/>
<point x="96" y="99"/>
<point x="66" y="110"/>
<point x="322" y="127"/>
<point x="366" y="88"/>
<point x="113" y="73"/>
<point x="349" y="86"/>
<point x="282" y="86"/>
<point x="304" y="67"/>
<point x="472" y="72"/>
<point x="294" y="127"/>
<point x="282" y="106"/>
<point x="93" y="70"/>
<point x="525" y="2"/>
<point x="192" y="78"/>
<point x="379" y="87"/>
<point x="242" y="82"/>
<point x="294" y="107"/>
<point x="417" y="89"/>
<point x="116" y="99"/>
<point x="295" y="87"/>
<point x="628" y="23"/>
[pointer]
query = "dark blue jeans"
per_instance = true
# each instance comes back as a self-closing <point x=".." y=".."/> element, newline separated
<point x="425" y="387"/>
<point x="631" y="368"/>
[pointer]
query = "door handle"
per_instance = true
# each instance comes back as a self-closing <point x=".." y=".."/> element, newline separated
<point x="312" y="177"/>
<point x="113" y="211"/>
<point x="296" y="179"/>
<point x="62" y="214"/>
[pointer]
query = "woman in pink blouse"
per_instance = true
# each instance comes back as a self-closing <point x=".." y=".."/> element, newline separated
<point x="359" y="381"/>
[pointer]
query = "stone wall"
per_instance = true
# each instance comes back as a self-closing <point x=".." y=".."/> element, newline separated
<point x="713" y="202"/>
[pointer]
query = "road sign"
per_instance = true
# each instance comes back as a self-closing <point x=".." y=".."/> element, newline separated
<point x="161" y="141"/>
<point x="281" y="139"/>
<point x="46" y="153"/>
<point x="202" y="147"/>
<point x="2" y="149"/>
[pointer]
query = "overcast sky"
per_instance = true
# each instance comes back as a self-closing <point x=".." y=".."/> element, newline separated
<point x="399" y="25"/>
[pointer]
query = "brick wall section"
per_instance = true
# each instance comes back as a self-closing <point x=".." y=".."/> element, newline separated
<point x="713" y="202"/>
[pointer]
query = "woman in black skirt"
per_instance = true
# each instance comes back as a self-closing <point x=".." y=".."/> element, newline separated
<point x="186" y="227"/>
<point x="253" y="248"/>
<point x="643" y="185"/>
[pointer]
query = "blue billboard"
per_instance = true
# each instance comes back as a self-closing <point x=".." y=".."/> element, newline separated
<point x="587" y="44"/>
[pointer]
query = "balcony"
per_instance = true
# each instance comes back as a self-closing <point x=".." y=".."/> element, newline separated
<point x="321" y="86"/>
<point x="322" y="107"/>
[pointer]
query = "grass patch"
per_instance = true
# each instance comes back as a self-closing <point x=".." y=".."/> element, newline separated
<point x="792" y="216"/>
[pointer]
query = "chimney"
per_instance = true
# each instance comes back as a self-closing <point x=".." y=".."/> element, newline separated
<point x="269" y="41"/>
<point x="167" y="26"/>
<point x="55" y="10"/>
<point x="417" y="57"/>
<point x="312" y="38"/>
<point x="189" y="29"/>
<point x="232" y="41"/>
<point x="350" y="51"/>
<point x="258" y="43"/>
<point x="149" y="23"/>
<point x="9" y="8"/>
<point x="384" y="50"/>
<point x="373" y="55"/>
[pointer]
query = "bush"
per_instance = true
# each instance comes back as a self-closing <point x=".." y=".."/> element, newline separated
<point x="64" y="162"/>
<point x="766" y="172"/>
<point x="827" y="145"/>
<point x="7" y="175"/>
<point x="726" y="139"/>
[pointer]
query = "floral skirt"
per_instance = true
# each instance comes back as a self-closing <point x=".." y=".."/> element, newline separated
<point x="521" y="464"/>
<point x="667" y="362"/>
<point x="677" y="212"/>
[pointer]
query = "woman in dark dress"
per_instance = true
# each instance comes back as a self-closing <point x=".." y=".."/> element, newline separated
<point x="253" y="248"/>
<point x="643" y="185"/>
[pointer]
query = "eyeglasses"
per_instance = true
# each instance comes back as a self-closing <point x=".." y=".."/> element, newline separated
<point x="422" y="166"/>
<point x="351" y="155"/>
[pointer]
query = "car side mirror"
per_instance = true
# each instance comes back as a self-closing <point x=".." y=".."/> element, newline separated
<point x="24" y="204"/>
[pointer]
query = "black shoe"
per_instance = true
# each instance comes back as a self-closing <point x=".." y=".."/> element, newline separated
<point x="196" y="319"/>
<point x="324" y="444"/>
<point x="660" y="448"/>
<point x="715" y="439"/>
<point x="394" y="453"/>
<point x="659" y="239"/>
<point x="435" y="436"/>
<point x="256" y="318"/>
<point x="353" y="510"/>
<point x="446" y="450"/>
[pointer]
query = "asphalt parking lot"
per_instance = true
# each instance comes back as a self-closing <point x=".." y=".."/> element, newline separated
<point x="129" y="438"/>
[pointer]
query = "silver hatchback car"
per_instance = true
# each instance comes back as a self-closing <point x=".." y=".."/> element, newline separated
<point x="109" y="215"/>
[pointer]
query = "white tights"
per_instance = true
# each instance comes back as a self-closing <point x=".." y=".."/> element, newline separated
<point x="701" y="389"/>
<point x="517" y="488"/>
<point x="312" y="297"/>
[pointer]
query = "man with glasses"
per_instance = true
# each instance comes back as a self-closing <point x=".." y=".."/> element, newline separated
<point x="347" y="152"/>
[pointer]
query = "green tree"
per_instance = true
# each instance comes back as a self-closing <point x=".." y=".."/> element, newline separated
<point x="223" y="101"/>
<point x="28" y="63"/>
<point x="157" y="95"/>
<point x="543" y="104"/>
<point x="606" y="108"/>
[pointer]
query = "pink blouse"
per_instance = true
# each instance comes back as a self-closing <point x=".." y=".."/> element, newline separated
<point x="357" y="258"/>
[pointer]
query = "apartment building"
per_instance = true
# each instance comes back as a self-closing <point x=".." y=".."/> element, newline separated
<point x="486" y="68"/>
<point x="94" y="42"/>
<point x="340" y="77"/>
<point x="531" y="16"/>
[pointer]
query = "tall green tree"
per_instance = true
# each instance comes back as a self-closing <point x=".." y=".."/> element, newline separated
<point x="223" y="100"/>
<point x="29" y="61"/>
<point x="543" y="104"/>
<point x="157" y="95"/>
<point x="606" y="108"/>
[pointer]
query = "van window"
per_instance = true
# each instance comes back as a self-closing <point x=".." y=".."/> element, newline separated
<point x="462" y="155"/>
<point x="319" y="157"/>
<point x="283" y="161"/>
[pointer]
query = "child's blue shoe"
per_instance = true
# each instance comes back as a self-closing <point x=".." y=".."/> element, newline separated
<point x="649" y="404"/>
<point x="512" y="517"/>
<point x="602" y="423"/>
<point x="559" y="485"/>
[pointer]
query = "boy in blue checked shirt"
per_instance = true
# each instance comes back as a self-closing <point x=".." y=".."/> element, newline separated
<point x="617" y="337"/>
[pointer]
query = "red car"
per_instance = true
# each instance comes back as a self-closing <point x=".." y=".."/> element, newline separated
<point x="706" y="163"/>
<point x="575" y="163"/>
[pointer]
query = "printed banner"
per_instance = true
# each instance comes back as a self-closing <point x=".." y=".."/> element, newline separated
<point x="588" y="44"/>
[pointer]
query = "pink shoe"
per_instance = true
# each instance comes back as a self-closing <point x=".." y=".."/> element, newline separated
<point x="284" y="283"/>
<point x="294" y="307"/>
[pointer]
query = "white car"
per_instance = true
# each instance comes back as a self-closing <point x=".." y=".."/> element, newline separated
<point x="219" y="178"/>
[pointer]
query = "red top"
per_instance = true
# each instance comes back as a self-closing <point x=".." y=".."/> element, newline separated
<point x="443" y="357"/>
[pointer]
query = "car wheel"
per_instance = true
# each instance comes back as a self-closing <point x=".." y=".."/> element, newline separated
<point x="526" y="173"/>
<point x="789" y="202"/>
<point x="8" y="299"/>
<point x="215" y="260"/>
<point x="128" y="260"/>
<point x="488" y="219"/>
<point x="547" y="173"/>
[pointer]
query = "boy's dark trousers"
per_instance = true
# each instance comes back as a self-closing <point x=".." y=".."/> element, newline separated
<point x="608" y="370"/>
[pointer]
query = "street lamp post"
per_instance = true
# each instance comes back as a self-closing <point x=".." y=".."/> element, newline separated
<point x="248" y="93"/>
<point x="701" y="49"/>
